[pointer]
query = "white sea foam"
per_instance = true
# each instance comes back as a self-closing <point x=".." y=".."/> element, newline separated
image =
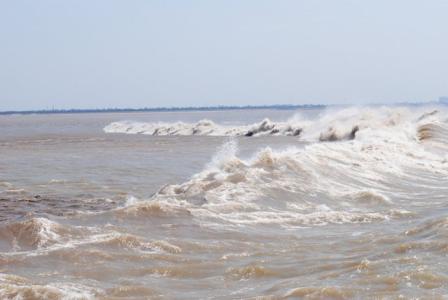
<point x="204" y="127"/>
<point x="351" y="179"/>
<point x="331" y="125"/>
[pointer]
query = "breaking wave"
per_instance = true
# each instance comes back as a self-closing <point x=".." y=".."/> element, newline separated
<point x="357" y="180"/>
<point x="204" y="127"/>
<point x="331" y="125"/>
<point x="39" y="236"/>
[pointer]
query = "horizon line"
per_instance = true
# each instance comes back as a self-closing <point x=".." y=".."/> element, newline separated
<point x="160" y="109"/>
<point x="193" y="108"/>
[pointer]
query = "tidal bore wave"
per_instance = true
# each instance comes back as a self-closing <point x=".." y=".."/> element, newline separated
<point x="364" y="179"/>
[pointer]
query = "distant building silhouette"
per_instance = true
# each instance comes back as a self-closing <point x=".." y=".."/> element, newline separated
<point x="443" y="100"/>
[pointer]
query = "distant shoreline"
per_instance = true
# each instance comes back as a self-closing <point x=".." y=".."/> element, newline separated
<point x="201" y="108"/>
<point x="162" y="109"/>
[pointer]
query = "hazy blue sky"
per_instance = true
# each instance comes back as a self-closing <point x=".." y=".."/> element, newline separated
<point x="117" y="53"/>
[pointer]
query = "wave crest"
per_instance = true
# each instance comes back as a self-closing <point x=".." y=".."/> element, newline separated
<point x="330" y="125"/>
<point x="318" y="183"/>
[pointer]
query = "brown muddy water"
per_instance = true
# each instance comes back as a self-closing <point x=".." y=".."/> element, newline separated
<point x="263" y="204"/>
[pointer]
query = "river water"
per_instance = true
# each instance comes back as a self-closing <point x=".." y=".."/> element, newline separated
<point x="270" y="204"/>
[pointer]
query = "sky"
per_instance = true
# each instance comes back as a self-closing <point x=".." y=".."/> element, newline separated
<point x="145" y="53"/>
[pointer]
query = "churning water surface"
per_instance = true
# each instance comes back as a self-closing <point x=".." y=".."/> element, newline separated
<point x="275" y="204"/>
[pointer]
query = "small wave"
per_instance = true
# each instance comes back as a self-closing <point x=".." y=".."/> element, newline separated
<point x="369" y="197"/>
<point x="288" y="219"/>
<point x="425" y="279"/>
<point x="250" y="271"/>
<point x="193" y="270"/>
<point x="132" y="291"/>
<point x="154" y="208"/>
<point x="57" y="181"/>
<point x="13" y="191"/>
<point x="429" y="236"/>
<point x="38" y="236"/>
<point x="430" y="228"/>
<point x="15" y="287"/>
<point x="127" y="241"/>
<point x="32" y="234"/>
<point x="435" y="134"/>
<point x="5" y="184"/>
<point x="330" y="292"/>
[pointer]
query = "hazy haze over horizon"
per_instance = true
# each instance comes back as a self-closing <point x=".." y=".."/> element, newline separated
<point x="94" y="54"/>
